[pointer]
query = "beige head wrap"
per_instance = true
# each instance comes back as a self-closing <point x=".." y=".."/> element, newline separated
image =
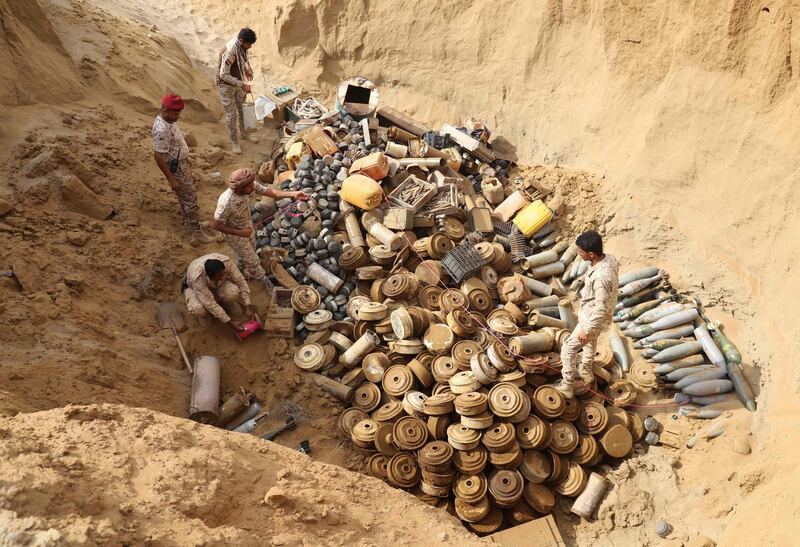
<point x="241" y="178"/>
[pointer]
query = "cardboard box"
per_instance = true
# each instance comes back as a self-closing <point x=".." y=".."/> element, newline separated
<point x="397" y="218"/>
<point x="536" y="533"/>
<point x="480" y="220"/>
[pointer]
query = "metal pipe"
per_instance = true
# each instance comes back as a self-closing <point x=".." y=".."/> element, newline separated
<point x="422" y="162"/>
<point x="204" y="404"/>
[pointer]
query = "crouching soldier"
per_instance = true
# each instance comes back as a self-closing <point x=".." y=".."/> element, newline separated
<point x="214" y="287"/>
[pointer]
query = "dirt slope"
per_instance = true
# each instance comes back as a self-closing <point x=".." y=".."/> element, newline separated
<point x="113" y="475"/>
<point x="690" y="112"/>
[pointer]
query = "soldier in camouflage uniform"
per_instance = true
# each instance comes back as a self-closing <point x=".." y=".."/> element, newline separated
<point x="233" y="73"/>
<point x="171" y="154"/>
<point x="232" y="218"/>
<point x="598" y="299"/>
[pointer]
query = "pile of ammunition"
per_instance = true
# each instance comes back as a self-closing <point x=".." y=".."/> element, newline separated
<point x="438" y="317"/>
<point x="690" y="354"/>
<point x="444" y="340"/>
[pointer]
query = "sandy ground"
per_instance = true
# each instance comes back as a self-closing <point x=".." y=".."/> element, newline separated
<point x="686" y="116"/>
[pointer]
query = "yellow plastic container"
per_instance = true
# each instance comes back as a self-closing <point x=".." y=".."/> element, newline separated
<point x="532" y="218"/>
<point x="361" y="191"/>
<point x="375" y="166"/>
<point x="295" y="153"/>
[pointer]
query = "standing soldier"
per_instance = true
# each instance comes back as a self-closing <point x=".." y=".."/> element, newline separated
<point x="233" y="73"/>
<point x="172" y="157"/>
<point x="232" y="218"/>
<point x="598" y="299"/>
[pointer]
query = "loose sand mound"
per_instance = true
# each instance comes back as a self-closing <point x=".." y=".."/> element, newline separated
<point x="114" y="475"/>
<point x="688" y="114"/>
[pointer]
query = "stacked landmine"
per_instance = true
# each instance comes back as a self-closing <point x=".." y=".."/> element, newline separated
<point x="690" y="354"/>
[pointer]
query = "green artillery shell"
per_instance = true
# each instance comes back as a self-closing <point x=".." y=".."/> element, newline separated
<point x="709" y="387"/>
<point x="636" y="311"/>
<point x="636" y="275"/>
<point x="741" y="386"/>
<point x="677" y="332"/>
<point x="680" y="373"/>
<point x="670" y="366"/>
<point x="639" y="298"/>
<point x="731" y="352"/>
<point x="676" y="352"/>
<point x="665" y="343"/>
<point x="713" y="374"/>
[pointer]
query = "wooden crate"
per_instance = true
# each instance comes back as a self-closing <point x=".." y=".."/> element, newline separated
<point x="280" y="319"/>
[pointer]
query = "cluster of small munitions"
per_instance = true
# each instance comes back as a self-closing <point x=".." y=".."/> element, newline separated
<point x="432" y="295"/>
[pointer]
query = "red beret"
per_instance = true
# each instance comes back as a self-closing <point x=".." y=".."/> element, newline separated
<point x="172" y="102"/>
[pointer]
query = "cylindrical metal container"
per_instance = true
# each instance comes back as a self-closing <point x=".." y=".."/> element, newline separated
<point x="535" y="342"/>
<point x="249" y="412"/>
<point x="204" y="405"/>
<point x="539" y="288"/>
<point x="325" y="278"/>
<point x="360" y="348"/>
<point x="541" y="272"/>
<point x="341" y="391"/>
<point x="392" y="240"/>
<point x="351" y="224"/>
<point x="233" y="406"/>
<point x="566" y="314"/>
<point x="586" y="503"/>
<point x="536" y="319"/>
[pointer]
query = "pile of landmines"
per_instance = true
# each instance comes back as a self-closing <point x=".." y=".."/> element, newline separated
<point x="442" y="326"/>
<point x="674" y="334"/>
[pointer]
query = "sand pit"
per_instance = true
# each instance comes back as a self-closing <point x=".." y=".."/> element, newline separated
<point x="683" y="121"/>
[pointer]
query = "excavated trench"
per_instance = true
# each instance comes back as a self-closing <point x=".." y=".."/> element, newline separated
<point x="676" y="110"/>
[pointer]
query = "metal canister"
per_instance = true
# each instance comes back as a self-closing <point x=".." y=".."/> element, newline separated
<point x="360" y="348"/>
<point x="204" y="405"/>
<point x="324" y="277"/>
